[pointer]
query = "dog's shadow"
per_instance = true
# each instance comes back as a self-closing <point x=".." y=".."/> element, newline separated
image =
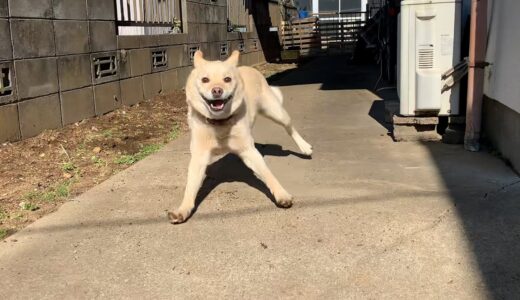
<point x="230" y="168"/>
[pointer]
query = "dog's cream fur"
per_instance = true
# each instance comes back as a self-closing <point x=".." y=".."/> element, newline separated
<point x="215" y="133"/>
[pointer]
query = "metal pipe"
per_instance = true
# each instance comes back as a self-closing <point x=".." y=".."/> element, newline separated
<point x="477" y="55"/>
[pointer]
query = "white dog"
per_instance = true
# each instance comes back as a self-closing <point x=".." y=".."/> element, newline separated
<point x="223" y="101"/>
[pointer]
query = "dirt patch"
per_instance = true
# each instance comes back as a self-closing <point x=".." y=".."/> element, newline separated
<point x="272" y="69"/>
<point x="37" y="175"/>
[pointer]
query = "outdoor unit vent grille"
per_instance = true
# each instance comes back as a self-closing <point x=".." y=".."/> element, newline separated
<point x="6" y="87"/>
<point x="224" y="49"/>
<point x="159" y="59"/>
<point x="425" y="58"/>
<point x="105" y="66"/>
<point x="241" y="46"/>
<point x="192" y="51"/>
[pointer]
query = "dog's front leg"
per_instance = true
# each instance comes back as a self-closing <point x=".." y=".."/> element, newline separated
<point x="254" y="160"/>
<point x="196" y="175"/>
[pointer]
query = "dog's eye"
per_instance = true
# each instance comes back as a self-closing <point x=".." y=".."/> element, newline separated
<point x="227" y="79"/>
<point x="205" y="79"/>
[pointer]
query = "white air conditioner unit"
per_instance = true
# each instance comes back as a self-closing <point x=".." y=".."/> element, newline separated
<point x="429" y="45"/>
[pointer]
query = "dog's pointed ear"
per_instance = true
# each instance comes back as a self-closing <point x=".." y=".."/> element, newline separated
<point x="233" y="59"/>
<point x="198" y="59"/>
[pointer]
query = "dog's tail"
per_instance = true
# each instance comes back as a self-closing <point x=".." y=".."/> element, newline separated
<point x="278" y="93"/>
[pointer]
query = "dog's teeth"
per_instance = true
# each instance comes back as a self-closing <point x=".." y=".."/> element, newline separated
<point x="218" y="105"/>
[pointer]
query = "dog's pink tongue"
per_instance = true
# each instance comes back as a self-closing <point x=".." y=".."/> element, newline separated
<point x="217" y="105"/>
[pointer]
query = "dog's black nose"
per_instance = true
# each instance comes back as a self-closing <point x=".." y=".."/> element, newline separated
<point x="217" y="92"/>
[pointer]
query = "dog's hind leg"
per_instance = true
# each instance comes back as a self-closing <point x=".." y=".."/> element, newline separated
<point x="277" y="93"/>
<point x="196" y="175"/>
<point x="254" y="160"/>
<point x="271" y="107"/>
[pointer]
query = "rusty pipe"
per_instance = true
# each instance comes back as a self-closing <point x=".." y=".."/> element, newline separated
<point x="477" y="55"/>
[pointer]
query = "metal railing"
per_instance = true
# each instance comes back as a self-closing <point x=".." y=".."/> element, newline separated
<point x="149" y="13"/>
<point x="238" y="14"/>
<point x="341" y="30"/>
<point x="374" y="6"/>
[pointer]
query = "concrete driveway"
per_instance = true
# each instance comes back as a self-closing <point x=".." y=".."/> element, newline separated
<point x="372" y="218"/>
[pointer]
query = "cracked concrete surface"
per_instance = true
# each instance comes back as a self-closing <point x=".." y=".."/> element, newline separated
<point x="372" y="218"/>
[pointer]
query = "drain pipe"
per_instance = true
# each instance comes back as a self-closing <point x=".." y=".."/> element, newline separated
<point x="477" y="56"/>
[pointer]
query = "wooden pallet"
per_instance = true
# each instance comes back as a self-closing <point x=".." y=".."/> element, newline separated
<point x="313" y="36"/>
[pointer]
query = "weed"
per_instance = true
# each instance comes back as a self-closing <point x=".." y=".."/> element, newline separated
<point x="174" y="133"/>
<point x="108" y="133"/>
<point x="82" y="146"/>
<point x="18" y="216"/>
<point x="49" y="196"/>
<point x="99" y="162"/>
<point x="144" y="152"/>
<point x="68" y="166"/>
<point x="62" y="190"/>
<point x="3" y="215"/>
<point x="126" y="160"/>
<point x="3" y="233"/>
<point x="149" y="149"/>
<point x="28" y="206"/>
<point x="33" y="195"/>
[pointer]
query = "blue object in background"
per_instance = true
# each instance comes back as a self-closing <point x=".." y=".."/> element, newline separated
<point x="302" y="14"/>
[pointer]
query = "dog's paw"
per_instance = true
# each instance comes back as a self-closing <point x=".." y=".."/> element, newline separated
<point x="305" y="148"/>
<point x="178" y="216"/>
<point x="284" y="200"/>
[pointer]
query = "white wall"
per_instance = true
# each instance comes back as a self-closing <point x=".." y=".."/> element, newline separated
<point x="503" y="76"/>
<point x="315" y="6"/>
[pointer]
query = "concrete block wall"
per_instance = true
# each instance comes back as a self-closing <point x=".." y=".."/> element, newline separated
<point x="48" y="50"/>
<point x="501" y="127"/>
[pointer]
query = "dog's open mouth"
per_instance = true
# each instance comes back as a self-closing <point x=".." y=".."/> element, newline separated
<point x="217" y="104"/>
